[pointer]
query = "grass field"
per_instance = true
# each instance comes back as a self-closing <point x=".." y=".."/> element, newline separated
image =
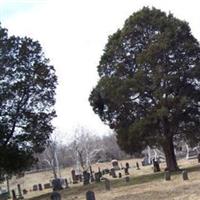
<point x="144" y="184"/>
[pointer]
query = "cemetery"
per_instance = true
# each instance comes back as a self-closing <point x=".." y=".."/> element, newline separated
<point x="110" y="184"/>
<point x="147" y="97"/>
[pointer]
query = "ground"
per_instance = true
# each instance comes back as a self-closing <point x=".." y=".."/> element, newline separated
<point x="144" y="184"/>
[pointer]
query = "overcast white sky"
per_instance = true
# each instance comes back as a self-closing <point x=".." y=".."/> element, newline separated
<point x="73" y="34"/>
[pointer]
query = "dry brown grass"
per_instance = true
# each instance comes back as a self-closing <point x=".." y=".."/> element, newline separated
<point x="143" y="185"/>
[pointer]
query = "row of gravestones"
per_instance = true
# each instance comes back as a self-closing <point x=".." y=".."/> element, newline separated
<point x="90" y="194"/>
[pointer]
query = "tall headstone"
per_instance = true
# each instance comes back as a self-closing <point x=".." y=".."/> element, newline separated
<point x="113" y="174"/>
<point x="91" y="174"/>
<point x="66" y="183"/>
<point x="198" y="157"/>
<point x="137" y="166"/>
<point x="120" y="174"/>
<point x="55" y="196"/>
<point x="167" y="176"/>
<point x="126" y="171"/>
<point x="86" y="178"/>
<point x="97" y="177"/>
<point x="156" y="166"/>
<point x="107" y="184"/>
<point x="185" y="175"/>
<point x="90" y="195"/>
<point x="14" y="197"/>
<point x="40" y="187"/>
<point x="19" y="191"/>
<point x="74" y="178"/>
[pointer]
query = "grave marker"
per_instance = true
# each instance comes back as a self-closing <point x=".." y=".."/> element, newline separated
<point x="90" y="195"/>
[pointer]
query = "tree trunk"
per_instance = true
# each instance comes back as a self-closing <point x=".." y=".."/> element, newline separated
<point x="168" y="149"/>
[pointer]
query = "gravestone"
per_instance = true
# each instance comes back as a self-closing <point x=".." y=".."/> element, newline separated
<point x="40" y="187"/>
<point x="55" y="196"/>
<point x="127" y="179"/>
<point x="97" y="176"/>
<point x="112" y="172"/>
<point x="66" y="183"/>
<point x="107" y="184"/>
<point x="127" y="165"/>
<point x="19" y="191"/>
<point x="185" y="175"/>
<point x="57" y="184"/>
<point x="47" y="185"/>
<point x="115" y="164"/>
<point x="137" y="166"/>
<point x="24" y="191"/>
<point x="35" y="187"/>
<point x="14" y="197"/>
<point x="198" y="157"/>
<point x="86" y="178"/>
<point x="74" y="178"/>
<point x="91" y="174"/>
<point x="90" y="195"/>
<point x="126" y="171"/>
<point x="156" y="166"/>
<point x="120" y="174"/>
<point x="167" y="176"/>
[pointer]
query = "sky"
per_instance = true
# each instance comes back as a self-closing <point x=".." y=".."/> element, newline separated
<point x="73" y="34"/>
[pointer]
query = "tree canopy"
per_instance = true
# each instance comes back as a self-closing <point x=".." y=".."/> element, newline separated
<point x="149" y="87"/>
<point x="27" y="96"/>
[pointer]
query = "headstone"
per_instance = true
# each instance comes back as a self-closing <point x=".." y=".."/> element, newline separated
<point x="35" y="187"/>
<point x="55" y="196"/>
<point x="66" y="183"/>
<point x="86" y="178"/>
<point x="74" y="178"/>
<point x="57" y="184"/>
<point x="24" y="191"/>
<point x="198" y="157"/>
<point x="156" y="166"/>
<point x="40" y="187"/>
<point x="107" y="184"/>
<point x="90" y="195"/>
<point x="167" y="176"/>
<point x="127" y="179"/>
<point x="121" y="166"/>
<point x="185" y="175"/>
<point x="14" y="197"/>
<point x="113" y="174"/>
<point x="120" y="174"/>
<point x="115" y="164"/>
<point x="127" y="165"/>
<point x="19" y="191"/>
<point x="97" y="177"/>
<point x="91" y="174"/>
<point x="126" y="171"/>
<point x="47" y="185"/>
<point x="137" y="166"/>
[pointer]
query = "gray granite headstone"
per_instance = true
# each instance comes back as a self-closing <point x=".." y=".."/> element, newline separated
<point x="55" y="196"/>
<point x="107" y="184"/>
<point x="167" y="176"/>
<point x="90" y="195"/>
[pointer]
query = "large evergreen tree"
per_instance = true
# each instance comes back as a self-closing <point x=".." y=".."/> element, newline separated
<point x="149" y="87"/>
<point x="27" y="91"/>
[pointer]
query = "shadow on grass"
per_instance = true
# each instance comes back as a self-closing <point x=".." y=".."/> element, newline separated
<point x="134" y="180"/>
